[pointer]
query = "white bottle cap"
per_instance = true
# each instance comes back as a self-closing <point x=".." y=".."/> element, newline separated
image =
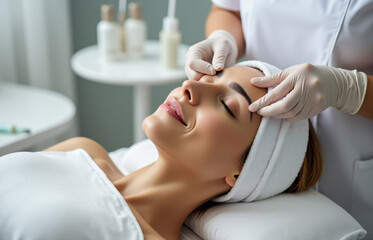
<point x="170" y="24"/>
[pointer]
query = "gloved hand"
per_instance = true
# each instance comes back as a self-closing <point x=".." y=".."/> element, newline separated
<point x="305" y="90"/>
<point x="213" y="54"/>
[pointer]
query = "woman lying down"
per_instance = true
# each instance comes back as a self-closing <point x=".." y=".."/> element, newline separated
<point x="210" y="148"/>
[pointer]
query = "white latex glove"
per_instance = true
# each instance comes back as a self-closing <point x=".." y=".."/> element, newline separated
<point x="213" y="54"/>
<point x="305" y="90"/>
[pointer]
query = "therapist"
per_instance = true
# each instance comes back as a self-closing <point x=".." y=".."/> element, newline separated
<point x="335" y="37"/>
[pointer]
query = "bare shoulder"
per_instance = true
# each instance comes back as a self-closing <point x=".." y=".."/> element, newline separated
<point x="95" y="150"/>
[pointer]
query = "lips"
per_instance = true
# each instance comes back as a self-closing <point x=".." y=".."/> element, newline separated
<point x="173" y="108"/>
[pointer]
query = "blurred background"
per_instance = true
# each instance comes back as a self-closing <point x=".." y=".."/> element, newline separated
<point x="39" y="37"/>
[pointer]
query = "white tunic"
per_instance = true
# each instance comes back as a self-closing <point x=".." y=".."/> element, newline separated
<point x="336" y="33"/>
<point x="59" y="196"/>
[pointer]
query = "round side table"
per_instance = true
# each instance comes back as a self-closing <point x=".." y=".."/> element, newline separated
<point x="141" y="73"/>
<point x="46" y="113"/>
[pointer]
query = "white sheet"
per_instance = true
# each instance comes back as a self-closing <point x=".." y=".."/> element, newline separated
<point x="59" y="196"/>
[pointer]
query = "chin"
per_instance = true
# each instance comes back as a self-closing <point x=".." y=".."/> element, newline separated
<point x="161" y="132"/>
<point x="149" y="126"/>
<point x="155" y="128"/>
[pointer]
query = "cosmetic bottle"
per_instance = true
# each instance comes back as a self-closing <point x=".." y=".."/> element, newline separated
<point x="169" y="41"/>
<point x="135" y="28"/>
<point x="122" y="33"/>
<point x="108" y="35"/>
<point x="169" y="38"/>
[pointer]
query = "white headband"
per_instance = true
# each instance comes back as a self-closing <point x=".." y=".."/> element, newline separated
<point x="275" y="157"/>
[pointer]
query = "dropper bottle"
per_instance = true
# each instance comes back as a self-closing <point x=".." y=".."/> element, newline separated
<point x="170" y="38"/>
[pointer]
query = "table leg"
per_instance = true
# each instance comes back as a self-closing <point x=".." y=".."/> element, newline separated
<point x="141" y="108"/>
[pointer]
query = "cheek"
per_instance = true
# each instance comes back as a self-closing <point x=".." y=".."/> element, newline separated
<point x="219" y="142"/>
<point x="214" y="126"/>
<point x="217" y="128"/>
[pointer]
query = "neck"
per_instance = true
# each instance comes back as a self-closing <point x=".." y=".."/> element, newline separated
<point x="164" y="195"/>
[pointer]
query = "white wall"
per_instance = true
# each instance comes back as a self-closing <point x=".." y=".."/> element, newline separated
<point x="36" y="45"/>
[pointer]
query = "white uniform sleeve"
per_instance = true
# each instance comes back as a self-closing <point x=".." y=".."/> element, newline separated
<point x="233" y="5"/>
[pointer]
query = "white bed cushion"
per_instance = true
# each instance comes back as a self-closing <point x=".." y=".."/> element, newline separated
<point x="135" y="157"/>
<point x="307" y="216"/>
<point x="187" y="234"/>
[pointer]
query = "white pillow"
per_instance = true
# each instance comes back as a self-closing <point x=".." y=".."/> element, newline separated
<point x="306" y="215"/>
<point x="135" y="157"/>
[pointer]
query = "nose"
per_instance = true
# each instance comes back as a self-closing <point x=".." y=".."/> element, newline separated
<point x="190" y="91"/>
<point x="194" y="91"/>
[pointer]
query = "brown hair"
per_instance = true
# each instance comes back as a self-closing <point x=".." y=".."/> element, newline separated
<point x="308" y="175"/>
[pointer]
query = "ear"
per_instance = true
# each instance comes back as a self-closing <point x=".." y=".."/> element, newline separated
<point x="231" y="179"/>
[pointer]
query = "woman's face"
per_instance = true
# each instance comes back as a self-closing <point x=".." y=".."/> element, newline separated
<point x="205" y="126"/>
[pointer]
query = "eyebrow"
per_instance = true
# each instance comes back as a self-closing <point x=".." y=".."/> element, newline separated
<point x="237" y="87"/>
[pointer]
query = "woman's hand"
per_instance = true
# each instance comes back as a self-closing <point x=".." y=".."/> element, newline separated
<point x="305" y="90"/>
<point x="213" y="54"/>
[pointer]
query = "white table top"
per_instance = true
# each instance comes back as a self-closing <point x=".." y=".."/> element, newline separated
<point x="44" y="112"/>
<point x="141" y="71"/>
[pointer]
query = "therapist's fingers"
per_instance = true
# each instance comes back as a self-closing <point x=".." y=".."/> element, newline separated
<point x="274" y="95"/>
<point x="219" y="58"/>
<point x="287" y="107"/>
<point x="291" y="108"/>
<point x="305" y="113"/>
<point x="193" y="75"/>
<point x="195" y="64"/>
<point x="201" y="66"/>
<point x="269" y="81"/>
<point x="292" y="113"/>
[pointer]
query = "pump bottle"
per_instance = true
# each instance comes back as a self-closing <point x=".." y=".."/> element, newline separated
<point x="169" y="42"/>
<point x="108" y="35"/>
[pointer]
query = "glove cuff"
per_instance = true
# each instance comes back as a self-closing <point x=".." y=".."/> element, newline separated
<point x="352" y="89"/>
<point x="362" y="85"/>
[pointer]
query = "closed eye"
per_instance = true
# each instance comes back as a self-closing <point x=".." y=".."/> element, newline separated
<point x="227" y="108"/>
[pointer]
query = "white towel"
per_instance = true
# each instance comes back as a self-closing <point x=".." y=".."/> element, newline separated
<point x="275" y="158"/>
<point x="59" y="196"/>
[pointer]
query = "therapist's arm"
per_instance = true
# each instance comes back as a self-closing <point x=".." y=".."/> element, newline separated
<point x="230" y="21"/>
<point x="366" y="108"/>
